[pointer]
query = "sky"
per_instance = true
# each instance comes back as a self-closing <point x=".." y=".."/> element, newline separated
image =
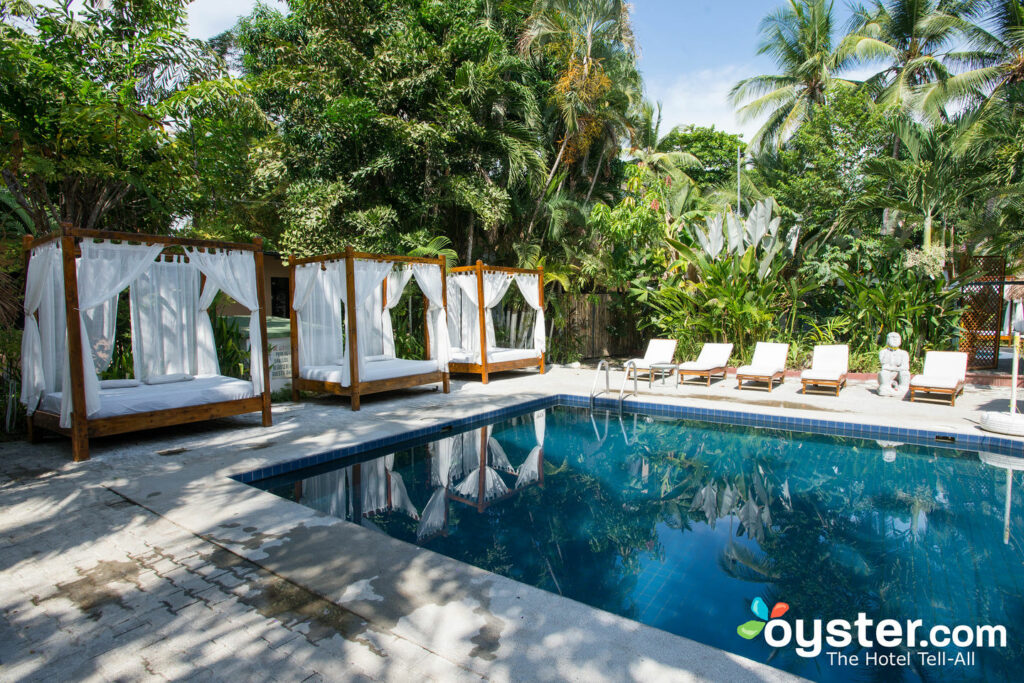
<point x="691" y="51"/>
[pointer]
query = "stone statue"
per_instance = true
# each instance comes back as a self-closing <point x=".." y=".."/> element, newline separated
<point x="894" y="377"/>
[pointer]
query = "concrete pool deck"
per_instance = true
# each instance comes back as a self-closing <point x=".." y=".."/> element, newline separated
<point x="150" y="562"/>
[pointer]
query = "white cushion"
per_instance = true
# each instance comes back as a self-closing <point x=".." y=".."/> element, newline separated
<point x="714" y="355"/>
<point x="945" y="364"/>
<point x="769" y="355"/>
<point x="822" y="375"/>
<point x="762" y="371"/>
<point x="118" y="383"/>
<point x="700" y="365"/>
<point x="169" y="379"/>
<point x="935" y="381"/>
<point x="659" y="351"/>
<point x="831" y="358"/>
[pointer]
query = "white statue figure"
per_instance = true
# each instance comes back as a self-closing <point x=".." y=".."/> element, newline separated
<point x="894" y="377"/>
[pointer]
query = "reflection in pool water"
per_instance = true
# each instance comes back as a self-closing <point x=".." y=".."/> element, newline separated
<point x="682" y="525"/>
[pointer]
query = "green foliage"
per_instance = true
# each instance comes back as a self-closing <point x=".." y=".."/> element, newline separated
<point x="923" y="309"/>
<point x="715" y="149"/>
<point x="232" y="352"/>
<point x="90" y="98"/>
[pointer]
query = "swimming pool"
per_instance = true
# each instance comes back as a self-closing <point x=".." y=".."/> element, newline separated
<point x="691" y="526"/>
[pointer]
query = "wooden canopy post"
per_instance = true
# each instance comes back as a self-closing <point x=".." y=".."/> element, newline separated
<point x="483" y="323"/>
<point x="261" y="298"/>
<point x="79" y="415"/>
<point x="482" y="479"/>
<point x="446" y="382"/>
<point x="540" y="287"/>
<point x="353" y="334"/>
<point x="293" y="325"/>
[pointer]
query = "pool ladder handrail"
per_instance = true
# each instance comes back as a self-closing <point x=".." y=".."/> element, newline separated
<point x="636" y="392"/>
<point x="607" y="381"/>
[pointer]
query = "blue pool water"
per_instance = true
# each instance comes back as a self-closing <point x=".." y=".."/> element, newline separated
<point x="683" y="525"/>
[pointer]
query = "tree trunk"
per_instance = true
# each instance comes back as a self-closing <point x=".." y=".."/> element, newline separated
<point x="593" y="181"/>
<point x="551" y="174"/>
<point x="469" y="241"/>
<point x="927" y="241"/>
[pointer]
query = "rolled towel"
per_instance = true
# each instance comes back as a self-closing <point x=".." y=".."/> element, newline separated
<point x="169" y="379"/>
<point x="118" y="383"/>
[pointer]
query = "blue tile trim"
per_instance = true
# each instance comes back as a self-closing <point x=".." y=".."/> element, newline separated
<point x="922" y="437"/>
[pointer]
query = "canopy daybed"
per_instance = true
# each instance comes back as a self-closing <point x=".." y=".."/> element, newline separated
<point x="369" y="285"/>
<point x="473" y="292"/>
<point x="79" y="275"/>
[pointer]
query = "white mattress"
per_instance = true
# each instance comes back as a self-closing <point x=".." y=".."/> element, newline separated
<point x="375" y="370"/>
<point x="495" y="355"/>
<point x="144" y="398"/>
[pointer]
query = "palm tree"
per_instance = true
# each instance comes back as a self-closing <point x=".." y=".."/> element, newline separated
<point x="656" y="151"/>
<point x="799" y="38"/>
<point x="927" y="181"/>
<point x="587" y="40"/>
<point x="914" y="41"/>
<point x="997" y="58"/>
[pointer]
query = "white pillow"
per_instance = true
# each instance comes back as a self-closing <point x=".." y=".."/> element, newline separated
<point x="118" y="383"/>
<point x="375" y="358"/>
<point x="169" y="379"/>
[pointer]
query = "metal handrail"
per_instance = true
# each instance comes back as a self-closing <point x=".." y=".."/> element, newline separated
<point x="622" y="426"/>
<point x="607" y="381"/>
<point x="636" y="391"/>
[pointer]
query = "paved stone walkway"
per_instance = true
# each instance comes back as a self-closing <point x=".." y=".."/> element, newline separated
<point x="135" y="597"/>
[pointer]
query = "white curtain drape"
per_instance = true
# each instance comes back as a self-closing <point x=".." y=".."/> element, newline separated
<point x="328" y="493"/>
<point x="234" y="273"/>
<point x="429" y="279"/>
<point x="494" y="487"/>
<point x="396" y="282"/>
<point x="43" y="341"/>
<point x="462" y="311"/>
<point x="529" y="286"/>
<point x="498" y="457"/>
<point x="529" y="471"/>
<point x="377" y="477"/>
<point x="441" y="460"/>
<point x="207" y="362"/>
<point x="368" y="277"/>
<point x="164" y="313"/>
<point x="435" y="514"/>
<point x="101" y="324"/>
<point x="495" y="286"/>
<point x="104" y="269"/>
<point x="319" y="297"/>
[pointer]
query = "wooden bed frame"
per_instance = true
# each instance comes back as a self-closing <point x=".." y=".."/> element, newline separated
<point x="485" y="368"/>
<point x="951" y="393"/>
<point x="356" y="387"/>
<point x="82" y="427"/>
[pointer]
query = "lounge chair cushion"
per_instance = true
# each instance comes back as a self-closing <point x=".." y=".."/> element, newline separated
<point x="769" y="359"/>
<point x="831" y="358"/>
<point x="945" y="364"/>
<point x="711" y="356"/>
<point x="935" y="382"/>
<point x="659" y="351"/>
<point x="764" y="371"/>
<point x="822" y="375"/>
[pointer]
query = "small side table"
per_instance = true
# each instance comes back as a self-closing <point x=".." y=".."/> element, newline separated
<point x="661" y="368"/>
